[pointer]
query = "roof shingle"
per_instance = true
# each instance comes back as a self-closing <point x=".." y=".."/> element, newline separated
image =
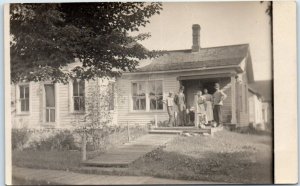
<point x="206" y="57"/>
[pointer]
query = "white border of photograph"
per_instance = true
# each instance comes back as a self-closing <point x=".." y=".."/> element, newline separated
<point x="285" y="93"/>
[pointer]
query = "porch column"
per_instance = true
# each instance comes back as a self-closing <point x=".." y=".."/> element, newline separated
<point x="233" y="100"/>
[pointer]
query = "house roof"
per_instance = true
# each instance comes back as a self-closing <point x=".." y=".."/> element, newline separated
<point x="206" y="57"/>
<point x="264" y="88"/>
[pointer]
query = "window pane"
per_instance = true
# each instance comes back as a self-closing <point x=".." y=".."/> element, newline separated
<point x="23" y="107"/>
<point x="26" y="92"/>
<point x="159" y="90"/>
<point x="151" y="88"/>
<point x="47" y="115"/>
<point x="141" y="89"/>
<point x="52" y="115"/>
<point x="21" y="91"/>
<point x="27" y="105"/>
<point x="50" y="96"/>
<point x="143" y="104"/>
<point x="76" y="103"/>
<point x="134" y="89"/>
<point x="81" y="88"/>
<point x="135" y="103"/>
<point x="159" y="103"/>
<point x="153" y="104"/>
<point x="75" y="88"/>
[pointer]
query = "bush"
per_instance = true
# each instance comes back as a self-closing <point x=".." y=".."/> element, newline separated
<point x="110" y="136"/>
<point x="62" y="140"/>
<point x="19" y="137"/>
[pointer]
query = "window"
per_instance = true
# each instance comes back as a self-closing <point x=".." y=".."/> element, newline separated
<point x="155" y="95"/>
<point x="50" y="102"/>
<point x="24" y="97"/>
<point x="78" y="95"/>
<point x="147" y="95"/>
<point x="111" y="91"/>
<point x="139" y="95"/>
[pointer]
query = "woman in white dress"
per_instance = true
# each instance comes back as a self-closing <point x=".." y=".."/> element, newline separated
<point x="201" y="110"/>
<point x="208" y="106"/>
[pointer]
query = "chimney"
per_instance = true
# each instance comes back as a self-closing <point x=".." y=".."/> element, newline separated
<point x="196" y="38"/>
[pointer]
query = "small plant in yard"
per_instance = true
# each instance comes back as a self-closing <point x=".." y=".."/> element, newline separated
<point x="19" y="137"/>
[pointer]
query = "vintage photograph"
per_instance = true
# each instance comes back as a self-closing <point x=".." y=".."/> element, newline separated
<point x="117" y="93"/>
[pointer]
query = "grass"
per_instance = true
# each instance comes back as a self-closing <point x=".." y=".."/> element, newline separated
<point x="56" y="160"/>
<point x="227" y="157"/>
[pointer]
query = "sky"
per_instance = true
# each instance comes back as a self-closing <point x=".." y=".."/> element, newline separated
<point x="222" y="23"/>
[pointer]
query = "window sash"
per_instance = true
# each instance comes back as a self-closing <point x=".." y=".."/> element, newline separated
<point x="24" y="98"/>
<point x="156" y="95"/>
<point x="147" y="95"/>
<point x="79" y="103"/>
<point x="139" y="102"/>
<point x="79" y="95"/>
<point x="50" y="114"/>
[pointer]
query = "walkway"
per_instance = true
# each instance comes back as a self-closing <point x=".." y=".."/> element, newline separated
<point x="129" y="152"/>
<point x="70" y="178"/>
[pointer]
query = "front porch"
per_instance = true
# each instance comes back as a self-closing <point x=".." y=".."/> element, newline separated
<point x="193" y="83"/>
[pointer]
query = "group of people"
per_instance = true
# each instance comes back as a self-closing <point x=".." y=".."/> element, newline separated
<point x="208" y="111"/>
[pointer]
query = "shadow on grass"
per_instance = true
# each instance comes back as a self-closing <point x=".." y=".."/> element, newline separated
<point x="234" y="167"/>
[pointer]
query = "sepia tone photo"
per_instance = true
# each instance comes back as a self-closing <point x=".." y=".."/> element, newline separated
<point x="141" y="93"/>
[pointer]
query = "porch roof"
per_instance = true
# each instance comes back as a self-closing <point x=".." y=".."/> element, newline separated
<point x="217" y="57"/>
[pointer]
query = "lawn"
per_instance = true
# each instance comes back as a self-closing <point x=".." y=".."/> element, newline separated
<point x="56" y="160"/>
<point x="227" y="157"/>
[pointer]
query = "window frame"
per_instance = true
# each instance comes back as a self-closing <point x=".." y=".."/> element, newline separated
<point x="162" y="95"/>
<point x="78" y="96"/>
<point x="132" y="96"/>
<point x="147" y="97"/>
<point x="71" y="100"/>
<point x="18" y="104"/>
<point x="50" y="108"/>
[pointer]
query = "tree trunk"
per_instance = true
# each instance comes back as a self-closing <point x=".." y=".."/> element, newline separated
<point x="83" y="147"/>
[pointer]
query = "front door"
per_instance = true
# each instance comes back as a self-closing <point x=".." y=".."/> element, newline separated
<point x="50" y="103"/>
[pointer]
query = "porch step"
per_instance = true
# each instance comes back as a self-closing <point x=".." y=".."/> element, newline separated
<point x="164" y="131"/>
<point x="174" y="128"/>
<point x="180" y="130"/>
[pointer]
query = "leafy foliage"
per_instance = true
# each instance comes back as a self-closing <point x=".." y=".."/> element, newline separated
<point x="45" y="38"/>
<point x="19" y="138"/>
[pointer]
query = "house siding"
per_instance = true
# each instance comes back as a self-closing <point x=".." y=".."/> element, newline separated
<point x="170" y="83"/>
<point x="64" y="118"/>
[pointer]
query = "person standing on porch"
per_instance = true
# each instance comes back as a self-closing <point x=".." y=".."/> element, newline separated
<point x="201" y="110"/>
<point x="208" y="106"/>
<point x="218" y="98"/>
<point x="180" y="101"/>
<point x="170" y="108"/>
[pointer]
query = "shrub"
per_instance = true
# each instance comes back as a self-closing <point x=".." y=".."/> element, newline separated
<point x="61" y="140"/>
<point x="19" y="137"/>
<point x="110" y="136"/>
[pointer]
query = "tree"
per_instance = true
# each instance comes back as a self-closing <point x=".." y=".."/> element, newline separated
<point x="45" y="38"/>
